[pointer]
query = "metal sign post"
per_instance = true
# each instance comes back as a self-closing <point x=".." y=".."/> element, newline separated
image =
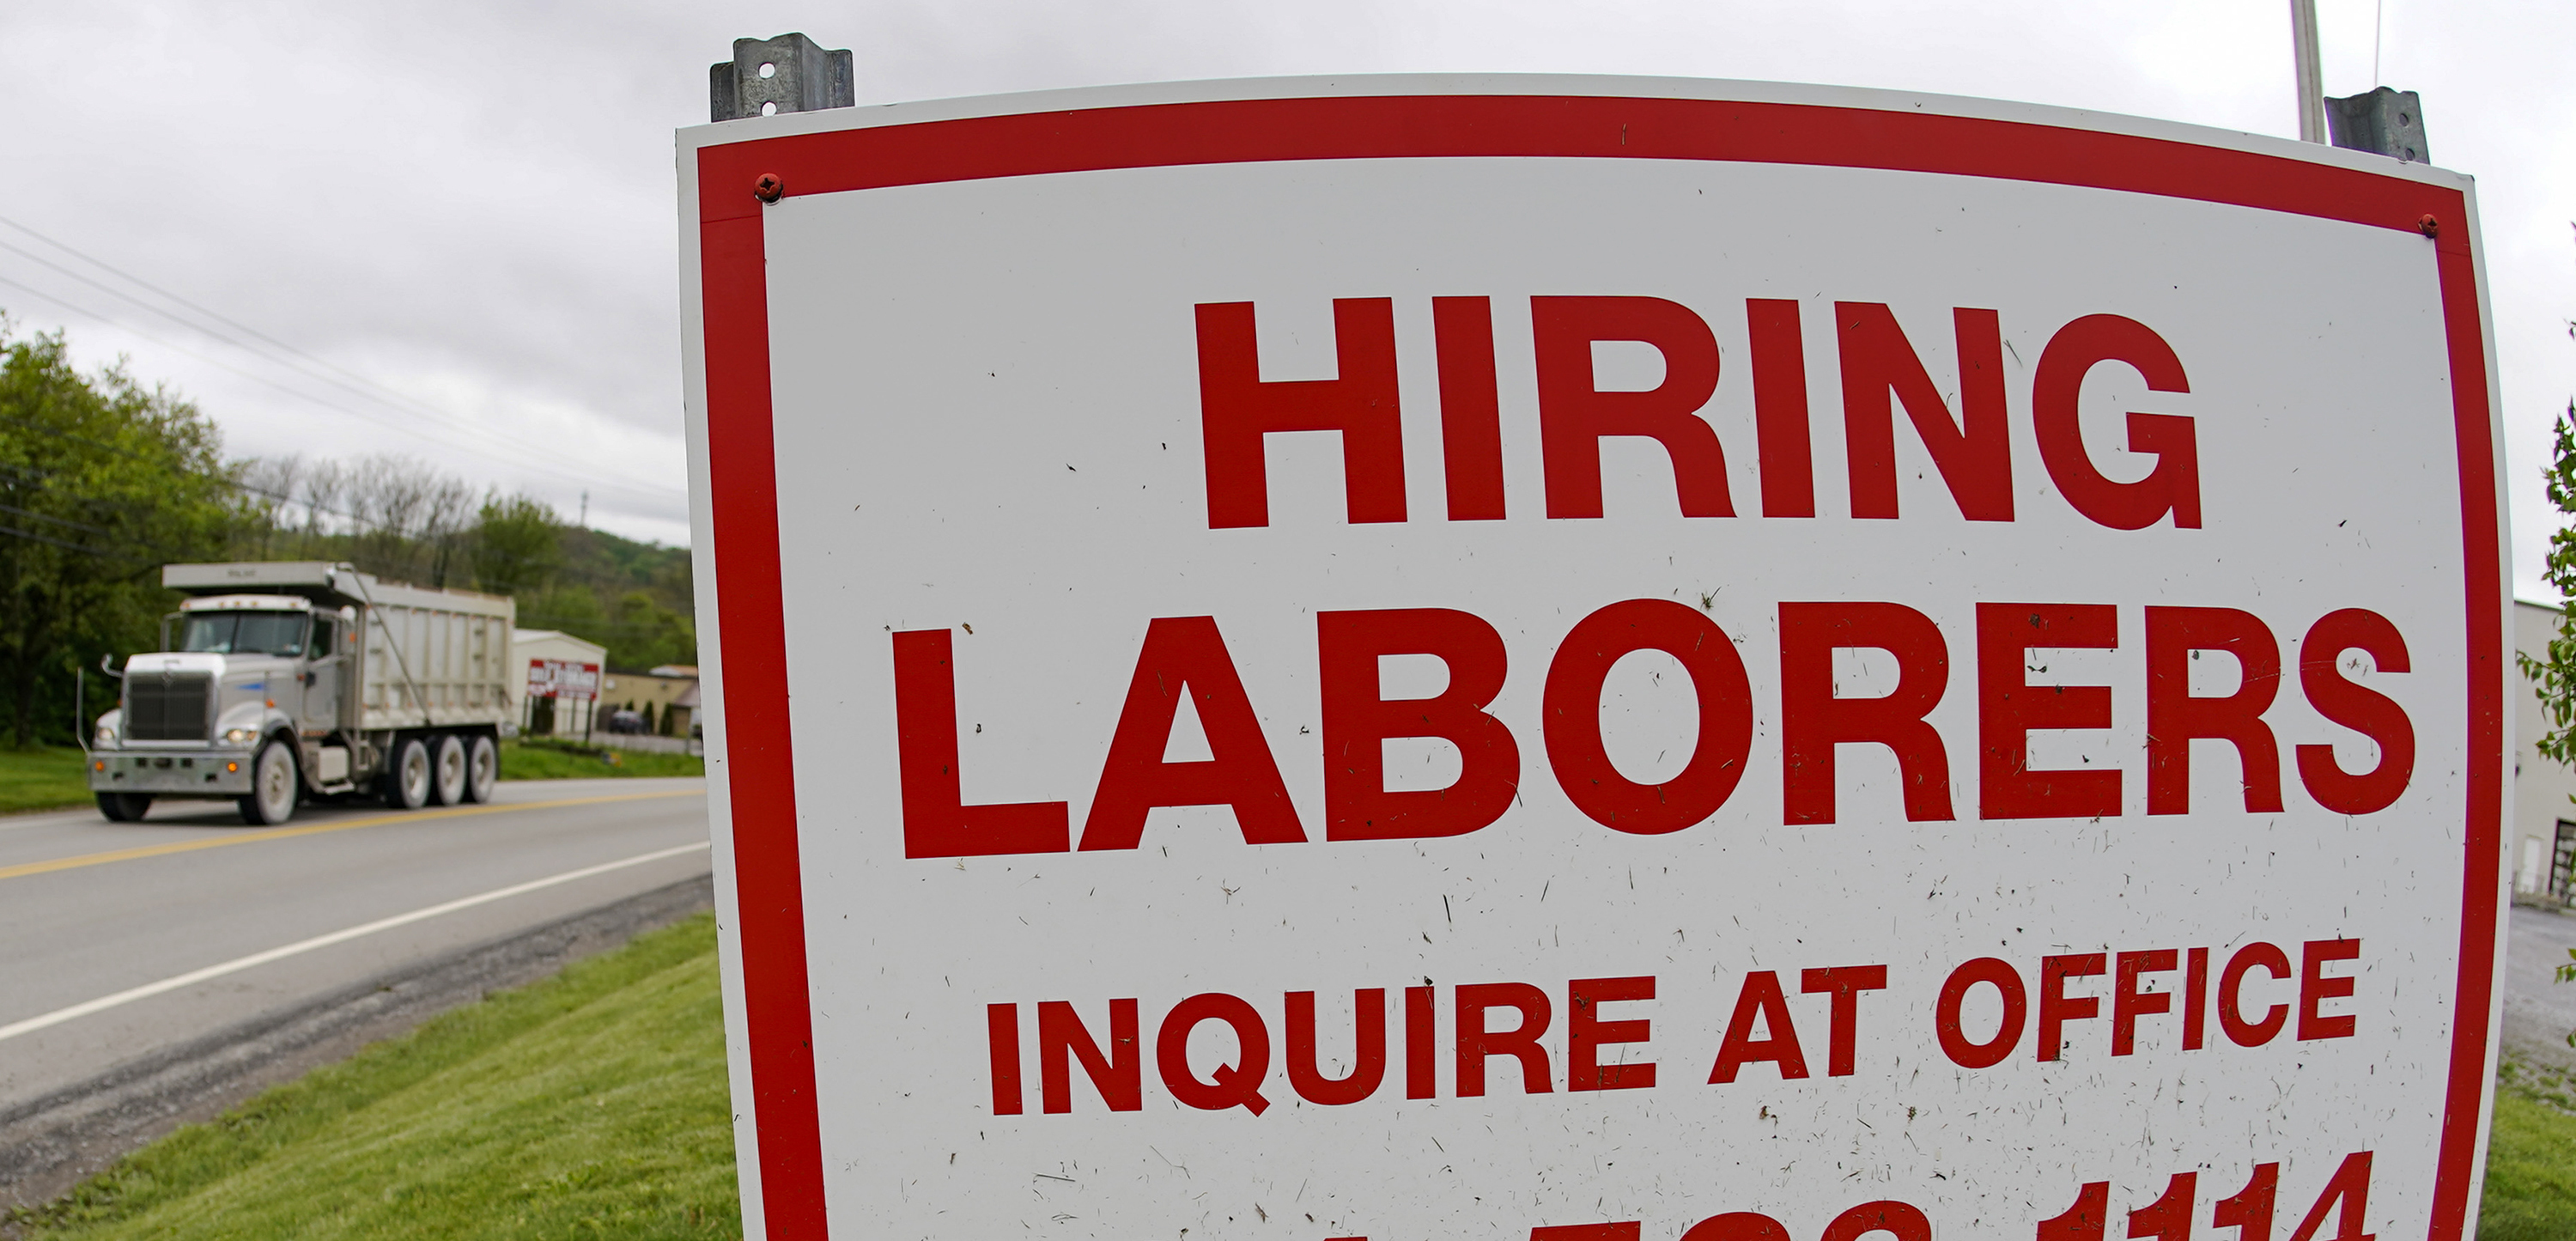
<point x="1593" y="659"/>
<point x="2310" y="65"/>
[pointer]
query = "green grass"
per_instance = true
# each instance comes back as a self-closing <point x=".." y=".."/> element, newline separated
<point x="590" y="1104"/>
<point x="2531" y="1158"/>
<point x="43" y="778"/>
<point x="594" y="1104"/>
<point x="521" y="760"/>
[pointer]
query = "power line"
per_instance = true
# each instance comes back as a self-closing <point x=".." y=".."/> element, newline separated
<point x="58" y="521"/>
<point x="365" y="523"/>
<point x="281" y="497"/>
<point x="649" y="628"/>
<point x="16" y="533"/>
<point x="441" y="417"/>
<point x="226" y="320"/>
<point x="294" y="392"/>
<point x="379" y="392"/>
<point x="235" y="483"/>
<point x="76" y="307"/>
<point x="224" y="480"/>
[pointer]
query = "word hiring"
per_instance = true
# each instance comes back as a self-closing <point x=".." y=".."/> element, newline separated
<point x="1972" y="448"/>
<point x="1187" y="656"/>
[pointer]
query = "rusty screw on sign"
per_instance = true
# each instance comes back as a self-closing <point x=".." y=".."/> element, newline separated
<point x="2429" y="226"/>
<point x="768" y="188"/>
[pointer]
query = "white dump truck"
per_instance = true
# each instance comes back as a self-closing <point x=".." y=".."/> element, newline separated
<point x="281" y="681"/>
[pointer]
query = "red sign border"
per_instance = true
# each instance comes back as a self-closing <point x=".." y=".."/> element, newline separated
<point x="742" y="462"/>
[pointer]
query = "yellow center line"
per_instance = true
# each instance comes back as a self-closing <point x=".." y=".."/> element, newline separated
<point x="314" y="829"/>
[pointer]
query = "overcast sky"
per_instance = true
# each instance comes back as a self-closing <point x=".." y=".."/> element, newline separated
<point x="451" y="226"/>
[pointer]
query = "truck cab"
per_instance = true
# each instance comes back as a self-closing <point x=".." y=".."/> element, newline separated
<point x="260" y="694"/>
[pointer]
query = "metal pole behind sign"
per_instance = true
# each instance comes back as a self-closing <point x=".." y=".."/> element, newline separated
<point x="2311" y="70"/>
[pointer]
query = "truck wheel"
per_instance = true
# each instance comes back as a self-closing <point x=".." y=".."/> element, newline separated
<point x="405" y="784"/>
<point x="447" y="771"/>
<point x="124" y="807"/>
<point x="482" y="769"/>
<point x="273" y="786"/>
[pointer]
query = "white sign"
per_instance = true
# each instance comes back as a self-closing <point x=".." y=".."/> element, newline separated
<point x="1595" y="660"/>
<point x="563" y="678"/>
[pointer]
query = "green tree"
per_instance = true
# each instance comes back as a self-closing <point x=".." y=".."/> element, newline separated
<point x="647" y="635"/>
<point x="102" y="481"/>
<point x="638" y="631"/>
<point x="517" y="545"/>
<point x="2553" y="676"/>
<point x="392" y="516"/>
<point x="405" y="521"/>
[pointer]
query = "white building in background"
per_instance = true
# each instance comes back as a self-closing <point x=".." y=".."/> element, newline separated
<point x="548" y="693"/>
<point x="2542" y="830"/>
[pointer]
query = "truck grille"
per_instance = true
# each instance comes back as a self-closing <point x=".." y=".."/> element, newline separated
<point x="166" y="706"/>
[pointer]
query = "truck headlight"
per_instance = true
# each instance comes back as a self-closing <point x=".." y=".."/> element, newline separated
<point x="240" y="736"/>
<point x="105" y="736"/>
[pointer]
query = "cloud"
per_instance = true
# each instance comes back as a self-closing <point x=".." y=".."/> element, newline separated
<point x="472" y="203"/>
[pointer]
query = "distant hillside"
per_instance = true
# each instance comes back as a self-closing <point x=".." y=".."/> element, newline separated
<point x="404" y="521"/>
<point x="636" y="599"/>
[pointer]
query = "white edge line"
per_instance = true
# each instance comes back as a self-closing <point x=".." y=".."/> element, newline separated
<point x="238" y="964"/>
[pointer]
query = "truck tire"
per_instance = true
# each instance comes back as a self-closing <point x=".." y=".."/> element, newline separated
<point x="447" y="770"/>
<point x="482" y="768"/>
<point x="405" y="784"/>
<point x="124" y="807"/>
<point x="274" y="785"/>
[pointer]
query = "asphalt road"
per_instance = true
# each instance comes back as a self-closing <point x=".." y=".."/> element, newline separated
<point x="109" y="930"/>
<point x="2538" y="1012"/>
<point x="103" y="925"/>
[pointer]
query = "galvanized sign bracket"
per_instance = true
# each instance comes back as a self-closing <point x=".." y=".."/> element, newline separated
<point x="2382" y="121"/>
<point x="790" y="73"/>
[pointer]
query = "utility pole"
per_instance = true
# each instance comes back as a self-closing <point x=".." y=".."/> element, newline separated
<point x="2311" y="70"/>
<point x="585" y="508"/>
